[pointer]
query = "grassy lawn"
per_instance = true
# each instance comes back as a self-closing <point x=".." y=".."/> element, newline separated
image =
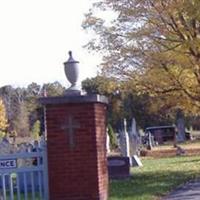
<point x="156" y="178"/>
<point x="28" y="198"/>
<point x="186" y="145"/>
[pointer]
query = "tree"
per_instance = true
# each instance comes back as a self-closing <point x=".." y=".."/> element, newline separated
<point x="31" y="95"/>
<point x="155" y="43"/>
<point x="110" y="88"/>
<point x="36" y="130"/>
<point x="21" y="121"/>
<point x="3" y="118"/>
<point x="33" y="92"/>
<point x="100" y="85"/>
<point x="126" y="102"/>
<point x="7" y="93"/>
<point x="113" y="137"/>
<point x="53" y="89"/>
<point x="22" y="106"/>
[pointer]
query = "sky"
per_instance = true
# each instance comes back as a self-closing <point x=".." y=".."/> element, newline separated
<point x="35" y="37"/>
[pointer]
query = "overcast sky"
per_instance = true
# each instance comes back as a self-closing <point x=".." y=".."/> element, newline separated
<point x="35" y="37"/>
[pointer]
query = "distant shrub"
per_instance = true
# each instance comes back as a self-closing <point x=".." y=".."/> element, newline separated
<point x="2" y="134"/>
<point x="143" y="152"/>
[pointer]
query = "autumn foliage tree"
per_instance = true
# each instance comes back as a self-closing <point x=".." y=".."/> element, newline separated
<point x="3" y="118"/>
<point x="153" y="43"/>
<point x="108" y="87"/>
<point x="23" y="108"/>
<point x="125" y="102"/>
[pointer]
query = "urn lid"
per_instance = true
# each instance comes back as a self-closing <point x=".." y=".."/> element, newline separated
<point x="70" y="59"/>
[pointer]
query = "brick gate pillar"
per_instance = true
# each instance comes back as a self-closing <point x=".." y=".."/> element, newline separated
<point x="76" y="147"/>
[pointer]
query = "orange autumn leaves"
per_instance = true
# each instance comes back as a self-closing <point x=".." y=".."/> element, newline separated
<point x="3" y="118"/>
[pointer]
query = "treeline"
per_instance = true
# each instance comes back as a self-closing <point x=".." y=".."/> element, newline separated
<point x="24" y="115"/>
<point x="152" y="45"/>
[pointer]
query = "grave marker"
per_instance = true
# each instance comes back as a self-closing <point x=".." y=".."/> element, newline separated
<point x="118" y="167"/>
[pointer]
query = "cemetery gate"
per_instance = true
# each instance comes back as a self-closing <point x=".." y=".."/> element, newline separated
<point x="23" y="172"/>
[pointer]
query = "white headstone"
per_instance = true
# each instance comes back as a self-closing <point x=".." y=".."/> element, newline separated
<point x="107" y="141"/>
<point x="124" y="142"/>
<point x="134" y="145"/>
<point x="133" y="138"/>
<point x="133" y="127"/>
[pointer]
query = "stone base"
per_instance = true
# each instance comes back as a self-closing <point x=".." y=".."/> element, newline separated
<point x="71" y="92"/>
<point x="118" y="167"/>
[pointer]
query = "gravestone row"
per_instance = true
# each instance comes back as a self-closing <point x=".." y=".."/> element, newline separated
<point x="129" y="142"/>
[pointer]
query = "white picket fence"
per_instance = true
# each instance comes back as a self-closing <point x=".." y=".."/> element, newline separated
<point x="21" y="179"/>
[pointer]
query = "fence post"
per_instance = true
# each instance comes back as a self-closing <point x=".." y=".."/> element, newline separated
<point x="45" y="170"/>
<point x="45" y="159"/>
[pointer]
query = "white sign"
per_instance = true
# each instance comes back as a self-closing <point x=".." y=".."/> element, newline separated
<point x="8" y="164"/>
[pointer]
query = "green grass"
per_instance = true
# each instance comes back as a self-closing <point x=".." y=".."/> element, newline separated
<point x="156" y="178"/>
<point x="22" y="196"/>
<point x="187" y="144"/>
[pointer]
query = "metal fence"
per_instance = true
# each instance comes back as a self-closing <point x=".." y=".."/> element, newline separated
<point x="24" y="175"/>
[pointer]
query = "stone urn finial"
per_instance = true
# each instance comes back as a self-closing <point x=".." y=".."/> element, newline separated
<point x="72" y="73"/>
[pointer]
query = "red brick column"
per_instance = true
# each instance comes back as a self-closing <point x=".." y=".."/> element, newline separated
<point x="76" y="144"/>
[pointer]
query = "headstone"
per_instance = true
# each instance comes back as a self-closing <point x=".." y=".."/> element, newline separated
<point x="118" y="167"/>
<point x="107" y="142"/>
<point x="135" y="139"/>
<point x="149" y="145"/>
<point x="134" y="145"/>
<point x="181" y="130"/>
<point x="124" y="141"/>
<point x="180" y="127"/>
